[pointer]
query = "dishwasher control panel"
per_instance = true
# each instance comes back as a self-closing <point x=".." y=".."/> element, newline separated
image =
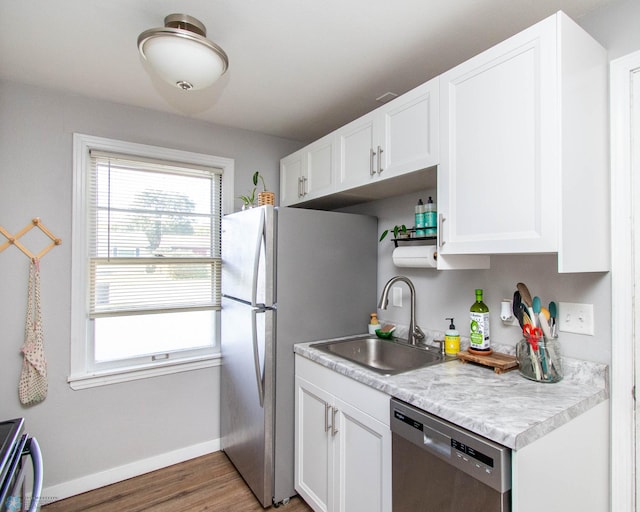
<point x="481" y="458"/>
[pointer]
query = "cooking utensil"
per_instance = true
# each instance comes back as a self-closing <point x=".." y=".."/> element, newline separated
<point x="517" y="307"/>
<point x="537" y="307"/>
<point x="526" y="298"/>
<point x="525" y="294"/>
<point x="553" y="312"/>
<point x="534" y="336"/>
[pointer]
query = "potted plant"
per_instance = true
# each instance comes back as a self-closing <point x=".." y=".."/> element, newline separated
<point x="264" y="197"/>
<point x="396" y="230"/>
<point x="248" y="201"/>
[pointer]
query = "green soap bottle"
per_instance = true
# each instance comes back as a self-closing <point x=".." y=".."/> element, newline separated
<point x="479" y="336"/>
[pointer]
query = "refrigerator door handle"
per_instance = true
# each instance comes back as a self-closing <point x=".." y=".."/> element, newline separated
<point x="256" y="357"/>
<point x="256" y="259"/>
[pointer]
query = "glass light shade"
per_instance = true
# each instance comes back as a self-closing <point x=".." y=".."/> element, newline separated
<point x="181" y="54"/>
<point x="179" y="61"/>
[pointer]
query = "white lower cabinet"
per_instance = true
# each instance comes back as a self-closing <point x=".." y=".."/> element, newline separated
<point x="343" y="451"/>
<point x="568" y="469"/>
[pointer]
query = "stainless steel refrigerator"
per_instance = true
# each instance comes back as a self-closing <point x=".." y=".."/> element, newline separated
<point x="289" y="275"/>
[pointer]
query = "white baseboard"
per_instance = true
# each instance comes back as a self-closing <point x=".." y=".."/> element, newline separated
<point x="120" y="473"/>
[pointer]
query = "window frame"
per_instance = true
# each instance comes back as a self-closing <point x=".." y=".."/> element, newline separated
<point x="82" y="373"/>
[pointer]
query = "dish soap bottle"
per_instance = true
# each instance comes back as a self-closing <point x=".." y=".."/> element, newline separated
<point x="430" y="218"/>
<point x="451" y="340"/>
<point x="373" y="323"/>
<point x="479" y="329"/>
<point x="420" y="218"/>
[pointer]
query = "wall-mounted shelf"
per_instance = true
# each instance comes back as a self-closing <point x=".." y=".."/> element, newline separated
<point x="417" y="240"/>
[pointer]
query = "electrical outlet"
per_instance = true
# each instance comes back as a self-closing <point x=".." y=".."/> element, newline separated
<point x="506" y="313"/>
<point x="396" y="297"/>
<point x="577" y="318"/>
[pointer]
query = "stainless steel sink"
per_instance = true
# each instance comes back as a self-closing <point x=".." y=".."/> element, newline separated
<point x="383" y="356"/>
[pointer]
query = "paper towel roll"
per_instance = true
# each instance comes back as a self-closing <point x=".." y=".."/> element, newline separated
<point x="422" y="256"/>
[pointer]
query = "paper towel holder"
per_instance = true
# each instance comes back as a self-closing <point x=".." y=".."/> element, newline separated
<point x="422" y="256"/>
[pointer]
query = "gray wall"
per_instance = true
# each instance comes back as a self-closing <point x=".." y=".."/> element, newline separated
<point x="88" y="431"/>
<point x="615" y="27"/>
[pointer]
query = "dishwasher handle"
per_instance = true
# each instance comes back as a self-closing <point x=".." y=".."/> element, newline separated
<point x="436" y="442"/>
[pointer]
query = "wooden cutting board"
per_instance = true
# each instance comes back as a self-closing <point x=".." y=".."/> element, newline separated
<point x="500" y="363"/>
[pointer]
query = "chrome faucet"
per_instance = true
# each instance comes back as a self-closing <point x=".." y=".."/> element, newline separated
<point x="415" y="333"/>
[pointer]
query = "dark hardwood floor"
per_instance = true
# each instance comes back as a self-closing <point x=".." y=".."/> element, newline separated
<point x="208" y="483"/>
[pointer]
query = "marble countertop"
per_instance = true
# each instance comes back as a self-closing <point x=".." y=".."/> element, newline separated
<point x="506" y="408"/>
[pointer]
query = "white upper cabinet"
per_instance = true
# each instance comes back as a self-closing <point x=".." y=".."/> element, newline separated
<point x="523" y="158"/>
<point x="308" y="173"/>
<point x="397" y="138"/>
<point x="291" y="178"/>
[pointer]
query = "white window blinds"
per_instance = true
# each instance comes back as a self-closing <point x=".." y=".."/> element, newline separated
<point x="154" y="236"/>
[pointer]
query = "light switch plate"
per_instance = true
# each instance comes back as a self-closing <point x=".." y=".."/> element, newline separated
<point x="576" y="318"/>
<point x="396" y="298"/>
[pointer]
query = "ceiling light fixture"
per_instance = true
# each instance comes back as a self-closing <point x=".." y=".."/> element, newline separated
<point x="181" y="54"/>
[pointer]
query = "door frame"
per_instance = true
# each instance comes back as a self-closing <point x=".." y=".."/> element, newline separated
<point x="623" y="425"/>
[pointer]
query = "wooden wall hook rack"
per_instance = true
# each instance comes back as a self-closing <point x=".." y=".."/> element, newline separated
<point x="15" y="239"/>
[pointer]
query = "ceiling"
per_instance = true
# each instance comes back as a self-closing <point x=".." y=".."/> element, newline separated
<point x="298" y="68"/>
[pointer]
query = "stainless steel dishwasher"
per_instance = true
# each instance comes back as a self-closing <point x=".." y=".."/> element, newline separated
<point x="440" y="467"/>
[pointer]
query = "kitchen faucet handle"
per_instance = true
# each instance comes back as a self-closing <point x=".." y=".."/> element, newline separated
<point x="441" y="343"/>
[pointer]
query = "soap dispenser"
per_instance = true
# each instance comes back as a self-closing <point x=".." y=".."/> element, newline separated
<point x="373" y="323"/>
<point x="451" y="340"/>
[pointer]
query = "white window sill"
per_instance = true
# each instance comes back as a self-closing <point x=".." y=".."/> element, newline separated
<point x="117" y="375"/>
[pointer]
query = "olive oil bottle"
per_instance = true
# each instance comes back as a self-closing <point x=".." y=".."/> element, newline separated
<point x="479" y="328"/>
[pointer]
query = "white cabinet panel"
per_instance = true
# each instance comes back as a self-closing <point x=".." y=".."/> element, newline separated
<point x="312" y="470"/>
<point x="307" y="173"/>
<point x="357" y="156"/>
<point x="363" y="460"/>
<point x="290" y="178"/>
<point x="512" y="169"/>
<point x="343" y="453"/>
<point x="409" y="138"/>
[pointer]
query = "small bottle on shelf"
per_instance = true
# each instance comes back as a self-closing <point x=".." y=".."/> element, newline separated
<point x="420" y="218"/>
<point x="430" y="218"/>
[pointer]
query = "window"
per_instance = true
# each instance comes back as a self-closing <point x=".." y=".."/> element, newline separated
<point x="146" y="260"/>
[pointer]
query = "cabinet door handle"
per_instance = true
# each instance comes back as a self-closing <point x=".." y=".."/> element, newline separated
<point x="304" y="186"/>
<point x="371" y="157"/>
<point x="334" y="430"/>
<point x="440" y="232"/>
<point x="326" y="417"/>
<point x="380" y="169"/>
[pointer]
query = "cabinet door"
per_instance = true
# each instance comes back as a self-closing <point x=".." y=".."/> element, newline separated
<point x="312" y="470"/>
<point x="318" y="179"/>
<point x="361" y="462"/>
<point x="290" y="178"/>
<point x="356" y="154"/>
<point x="499" y="175"/>
<point x="410" y="131"/>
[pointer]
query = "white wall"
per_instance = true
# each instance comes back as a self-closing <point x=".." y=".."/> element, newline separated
<point x="94" y="430"/>
<point x="450" y="293"/>
<point x="442" y="294"/>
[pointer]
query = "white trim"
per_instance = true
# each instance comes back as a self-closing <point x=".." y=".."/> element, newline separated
<point x="120" y="473"/>
<point x="623" y="473"/>
<point x="115" y="376"/>
<point x="80" y="374"/>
